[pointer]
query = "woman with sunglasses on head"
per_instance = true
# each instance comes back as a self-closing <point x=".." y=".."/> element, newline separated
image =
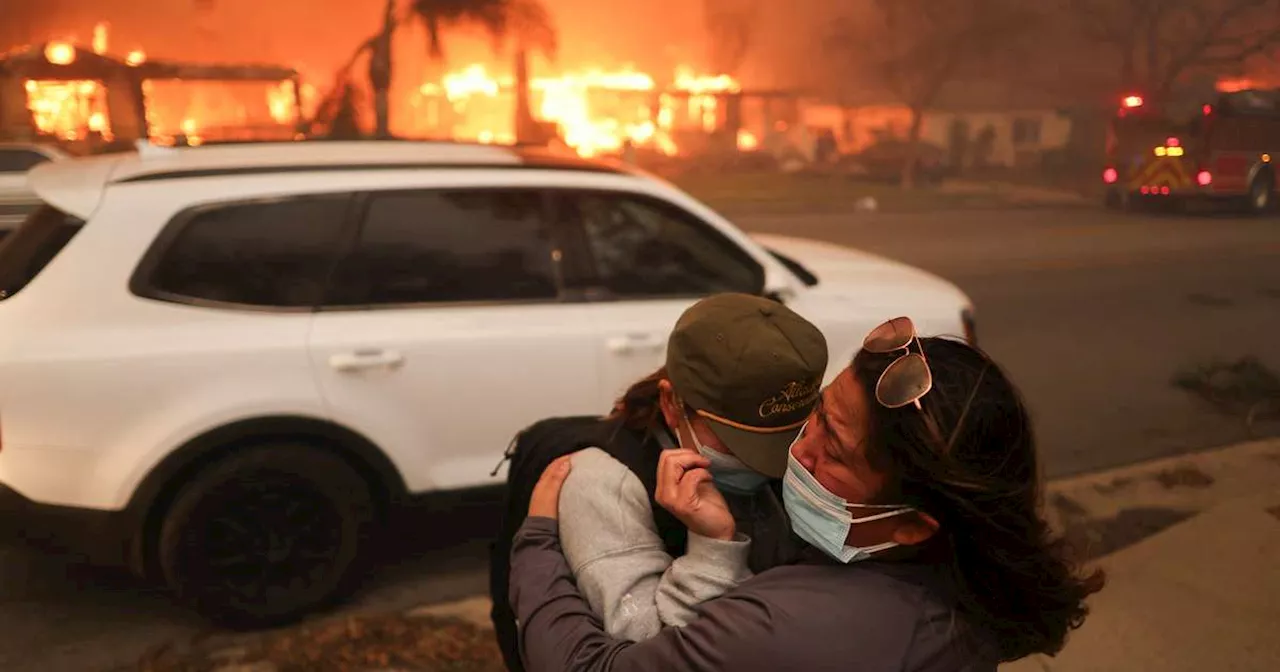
<point x="916" y="487"/>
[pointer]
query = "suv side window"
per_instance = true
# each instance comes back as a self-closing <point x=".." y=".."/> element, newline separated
<point x="275" y="254"/>
<point x="643" y="247"/>
<point x="20" y="160"/>
<point x="451" y="246"/>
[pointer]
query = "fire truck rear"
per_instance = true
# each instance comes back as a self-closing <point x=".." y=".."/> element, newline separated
<point x="1221" y="152"/>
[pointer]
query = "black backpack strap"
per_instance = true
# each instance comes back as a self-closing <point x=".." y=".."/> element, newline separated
<point x="530" y="453"/>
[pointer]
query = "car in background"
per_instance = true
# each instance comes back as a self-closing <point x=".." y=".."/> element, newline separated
<point x="16" y="200"/>
<point x="234" y="361"/>
<point x="886" y="159"/>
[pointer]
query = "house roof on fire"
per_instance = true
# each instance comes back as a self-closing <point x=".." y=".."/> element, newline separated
<point x="31" y="62"/>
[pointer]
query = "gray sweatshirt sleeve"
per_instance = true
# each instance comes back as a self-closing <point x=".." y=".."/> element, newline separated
<point x="559" y="633"/>
<point x="619" y="561"/>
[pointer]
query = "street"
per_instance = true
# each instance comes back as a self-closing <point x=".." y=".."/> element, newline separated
<point x="1094" y="314"/>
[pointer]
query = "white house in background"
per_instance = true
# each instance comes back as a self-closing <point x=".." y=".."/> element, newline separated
<point x="1019" y="137"/>
<point x="1021" y="128"/>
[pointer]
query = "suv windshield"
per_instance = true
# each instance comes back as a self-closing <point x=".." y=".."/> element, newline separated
<point x="25" y="252"/>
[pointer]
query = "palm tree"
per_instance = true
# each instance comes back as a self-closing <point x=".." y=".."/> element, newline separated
<point x="524" y="22"/>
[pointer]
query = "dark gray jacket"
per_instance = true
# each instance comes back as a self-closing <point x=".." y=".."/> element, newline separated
<point x="864" y="617"/>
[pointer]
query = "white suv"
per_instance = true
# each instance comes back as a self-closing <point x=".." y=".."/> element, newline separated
<point x="241" y="356"/>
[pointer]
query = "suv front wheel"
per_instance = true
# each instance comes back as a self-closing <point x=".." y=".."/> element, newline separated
<point x="266" y="535"/>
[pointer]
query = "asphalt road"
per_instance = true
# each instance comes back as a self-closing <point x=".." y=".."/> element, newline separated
<point x="1092" y="313"/>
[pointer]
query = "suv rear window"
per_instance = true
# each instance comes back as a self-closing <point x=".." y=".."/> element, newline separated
<point x="25" y="252"/>
<point x="265" y="254"/>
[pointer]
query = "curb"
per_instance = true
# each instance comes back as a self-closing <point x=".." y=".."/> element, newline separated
<point x="1246" y="450"/>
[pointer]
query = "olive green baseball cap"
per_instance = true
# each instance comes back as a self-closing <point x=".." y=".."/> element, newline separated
<point x="753" y="369"/>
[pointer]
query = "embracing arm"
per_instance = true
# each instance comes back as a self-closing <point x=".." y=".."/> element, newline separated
<point x="618" y="559"/>
<point x="560" y="632"/>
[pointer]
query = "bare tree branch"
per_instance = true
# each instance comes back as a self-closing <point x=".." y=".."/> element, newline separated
<point x="1160" y="42"/>
<point x="914" y="49"/>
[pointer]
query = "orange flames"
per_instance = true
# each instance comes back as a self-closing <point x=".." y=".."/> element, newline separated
<point x="597" y="111"/>
<point x="68" y="110"/>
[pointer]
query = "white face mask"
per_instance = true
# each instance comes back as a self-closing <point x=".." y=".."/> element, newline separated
<point x="822" y="518"/>
<point x="728" y="472"/>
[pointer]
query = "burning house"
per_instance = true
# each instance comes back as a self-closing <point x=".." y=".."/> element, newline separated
<point x="63" y="93"/>
<point x="609" y="112"/>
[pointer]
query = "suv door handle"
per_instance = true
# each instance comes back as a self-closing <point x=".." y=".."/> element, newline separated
<point x="363" y="360"/>
<point x="633" y="343"/>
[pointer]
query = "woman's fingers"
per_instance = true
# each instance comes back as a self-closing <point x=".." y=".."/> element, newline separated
<point x="545" y="501"/>
<point x="690" y="489"/>
<point x="672" y="466"/>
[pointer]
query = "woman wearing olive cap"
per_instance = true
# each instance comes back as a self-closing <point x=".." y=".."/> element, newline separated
<point x="741" y="376"/>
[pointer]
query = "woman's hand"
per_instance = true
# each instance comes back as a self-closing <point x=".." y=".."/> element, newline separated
<point x="545" y="501"/>
<point x="685" y="489"/>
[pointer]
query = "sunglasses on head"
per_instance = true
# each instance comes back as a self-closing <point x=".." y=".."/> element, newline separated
<point x="908" y="378"/>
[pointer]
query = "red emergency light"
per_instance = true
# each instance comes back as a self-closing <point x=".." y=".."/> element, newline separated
<point x="1171" y="142"/>
<point x="1208" y="110"/>
<point x="1133" y="101"/>
<point x="1110" y="176"/>
<point x="1204" y="178"/>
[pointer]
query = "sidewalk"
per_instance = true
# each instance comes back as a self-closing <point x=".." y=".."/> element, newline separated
<point x="1191" y="545"/>
<point x="1202" y="595"/>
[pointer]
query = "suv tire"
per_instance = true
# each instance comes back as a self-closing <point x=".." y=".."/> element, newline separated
<point x="266" y="535"/>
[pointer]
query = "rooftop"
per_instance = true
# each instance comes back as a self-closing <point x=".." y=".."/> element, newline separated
<point x="32" y="61"/>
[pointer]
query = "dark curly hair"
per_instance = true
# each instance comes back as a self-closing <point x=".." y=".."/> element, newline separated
<point x="977" y="472"/>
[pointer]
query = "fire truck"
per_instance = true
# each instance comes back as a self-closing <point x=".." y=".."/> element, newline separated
<point x="1221" y="150"/>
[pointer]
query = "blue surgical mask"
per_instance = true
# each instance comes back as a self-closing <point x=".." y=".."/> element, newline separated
<point x="822" y="518"/>
<point x="728" y="472"/>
